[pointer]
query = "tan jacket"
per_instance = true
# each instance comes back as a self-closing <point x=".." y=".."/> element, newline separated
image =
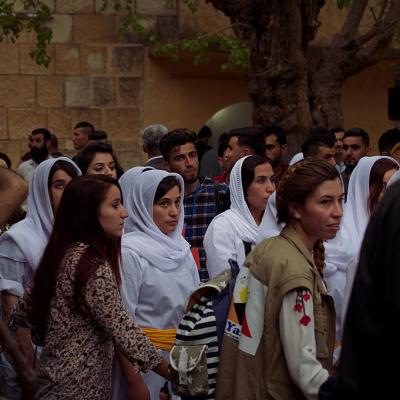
<point x="282" y="264"/>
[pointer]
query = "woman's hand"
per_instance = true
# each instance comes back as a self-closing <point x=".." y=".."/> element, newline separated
<point x="137" y="389"/>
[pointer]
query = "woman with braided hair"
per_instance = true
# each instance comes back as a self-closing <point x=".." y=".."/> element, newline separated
<point x="288" y="331"/>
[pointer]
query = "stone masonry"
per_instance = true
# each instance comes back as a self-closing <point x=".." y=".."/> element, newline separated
<point x="95" y="74"/>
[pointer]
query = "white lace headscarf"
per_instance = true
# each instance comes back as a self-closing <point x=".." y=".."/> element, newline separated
<point x="127" y="182"/>
<point x="32" y="234"/>
<point x="164" y="251"/>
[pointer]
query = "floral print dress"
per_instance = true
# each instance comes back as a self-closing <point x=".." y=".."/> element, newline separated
<point x="76" y="361"/>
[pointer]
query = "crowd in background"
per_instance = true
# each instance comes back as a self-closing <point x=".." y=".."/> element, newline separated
<point x="96" y="263"/>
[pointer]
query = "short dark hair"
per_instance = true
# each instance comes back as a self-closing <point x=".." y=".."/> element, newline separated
<point x="45" y="132"/>
<point x="98" y="135"/>
<point x="388" y="139"/>
<point x="250" y="137"/>
<point x="174" y="138"/>
<point x="276" y="130"/>
<point x="6" y="159"/>
<point x="357" y="132"/>
<point x="204" y="132"/>
<point x="318" y="137"/>
<point x="336" y="130"/>
<point x="87" y="127"/>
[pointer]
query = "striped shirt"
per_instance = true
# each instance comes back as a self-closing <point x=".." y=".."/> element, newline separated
<point x="200" y="209"/>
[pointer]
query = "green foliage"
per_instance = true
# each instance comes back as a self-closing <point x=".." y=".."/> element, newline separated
<point x="33" y="18"/>
<point x="237" y="50"/>
<point x="343" y="3"/>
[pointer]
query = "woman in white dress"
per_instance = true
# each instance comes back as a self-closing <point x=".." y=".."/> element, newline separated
<point x="230" y="233"/>
<point x="159" y="271"/>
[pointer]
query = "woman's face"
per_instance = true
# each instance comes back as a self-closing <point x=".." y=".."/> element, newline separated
<point x="59" y="181"/>
<point x="385" y="180"/>
<point x="112" y="213"/>
<point x="166" y="210"/>
<point x="102" y="164"/>
<point x="321" y="213"/>
<point x="261" y="188"/>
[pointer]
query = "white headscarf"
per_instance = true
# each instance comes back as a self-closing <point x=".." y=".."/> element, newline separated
<point x="164" y="251"/>
<point x="269" y="226"/>
<point x="127" y="182"/>
<point x="239" y="213"/>
<point x="297" y="157"/>
<point x="394" y="178"/>
<point x="31" y="234"/>
<point x="356" y="216"/>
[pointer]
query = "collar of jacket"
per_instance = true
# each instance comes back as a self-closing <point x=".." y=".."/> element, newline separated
<point x="289" y="234"/>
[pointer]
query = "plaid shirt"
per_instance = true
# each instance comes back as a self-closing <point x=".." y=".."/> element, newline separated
<point x="200" y="209"/>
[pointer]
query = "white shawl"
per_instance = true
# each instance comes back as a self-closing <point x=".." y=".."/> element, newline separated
<point x="31" y="235"/>
<point x="164" y="251"/>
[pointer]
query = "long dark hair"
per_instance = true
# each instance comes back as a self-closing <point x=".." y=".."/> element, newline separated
<point x="378" y="171"/>
<point x="76" y="221"/>
<point x="165" y="186"/>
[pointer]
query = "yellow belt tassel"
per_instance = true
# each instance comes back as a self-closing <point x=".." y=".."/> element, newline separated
<point x="163" y="339"/>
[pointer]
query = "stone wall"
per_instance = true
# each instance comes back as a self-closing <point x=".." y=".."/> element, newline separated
<point x="95" y="74"/>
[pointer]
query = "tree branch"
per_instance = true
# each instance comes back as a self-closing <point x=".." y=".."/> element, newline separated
<point x="350" y="26"/>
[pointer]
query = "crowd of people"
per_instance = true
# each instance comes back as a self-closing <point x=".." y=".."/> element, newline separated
<point x="97" y="264"/>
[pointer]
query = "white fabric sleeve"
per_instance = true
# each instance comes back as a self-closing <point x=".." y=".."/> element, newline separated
<point x="131" y="279"/>
<point x="13" y="276"/>
<point x="298" y="343"/>
<point x="219" y="244"/>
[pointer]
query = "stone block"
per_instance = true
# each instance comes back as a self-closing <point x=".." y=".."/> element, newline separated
<point x="3" y="124"/>
<point x="95" y="29"/>
<point x="130" y="92"/>
<point x="92" y="115"/>
<point x="93" y="59"/>
<point x="148" y="23"/>
<point x="9" y="59"/>
<point x="104" y="91"/>
<point x="77" y="91"/>
<point x="19" y="6"/>
<point x="129" y="159"/>
<point x="75" y="6"/>
<point x="59" y="122"/>
<point x="62" y="26"/>
<point x="68" y="59"/>
<point x="17" y="91"/>
<point x="155" y="7"/>
<point x="22" y="121"/>
<point x="28" y="65"/>
<point x="167" y="28"/>
<point x="127" y="60"/>
<point x="109" y="10"/>
<point x="122" y="122"/>
<point x="12" y="149"/>
<point x="49" y="91"/>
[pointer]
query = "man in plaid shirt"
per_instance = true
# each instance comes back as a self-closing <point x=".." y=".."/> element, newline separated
<point x="203" y="198"/>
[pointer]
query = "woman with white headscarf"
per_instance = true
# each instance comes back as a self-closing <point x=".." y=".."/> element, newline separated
<point x="21" y="247"/>
<point x="229" y="233"/>
<point x="159" y="271"/>
<point x="367" y="186"/>
<point x="127" y="181"/>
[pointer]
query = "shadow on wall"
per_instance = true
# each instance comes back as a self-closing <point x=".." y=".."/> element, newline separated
<point x="237" y="115"/>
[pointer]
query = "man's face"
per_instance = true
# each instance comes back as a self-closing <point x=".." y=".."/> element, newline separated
<point x="38" y="141"/>
<point x="234" y="152"/>
<point x="354" y="149"/>
<point x="39" y="149"/>
<point x="339" y="146"/>
<point x="184" y="161"/>
<point x="80" y="138"/>
<point x="327" y="154"/>
<point x="274" y="151"/>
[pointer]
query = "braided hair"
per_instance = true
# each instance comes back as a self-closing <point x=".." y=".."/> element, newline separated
<point x="300" y="182"/>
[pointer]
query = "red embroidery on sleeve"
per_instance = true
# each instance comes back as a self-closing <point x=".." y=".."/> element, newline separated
<point x="302" y="295"/>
